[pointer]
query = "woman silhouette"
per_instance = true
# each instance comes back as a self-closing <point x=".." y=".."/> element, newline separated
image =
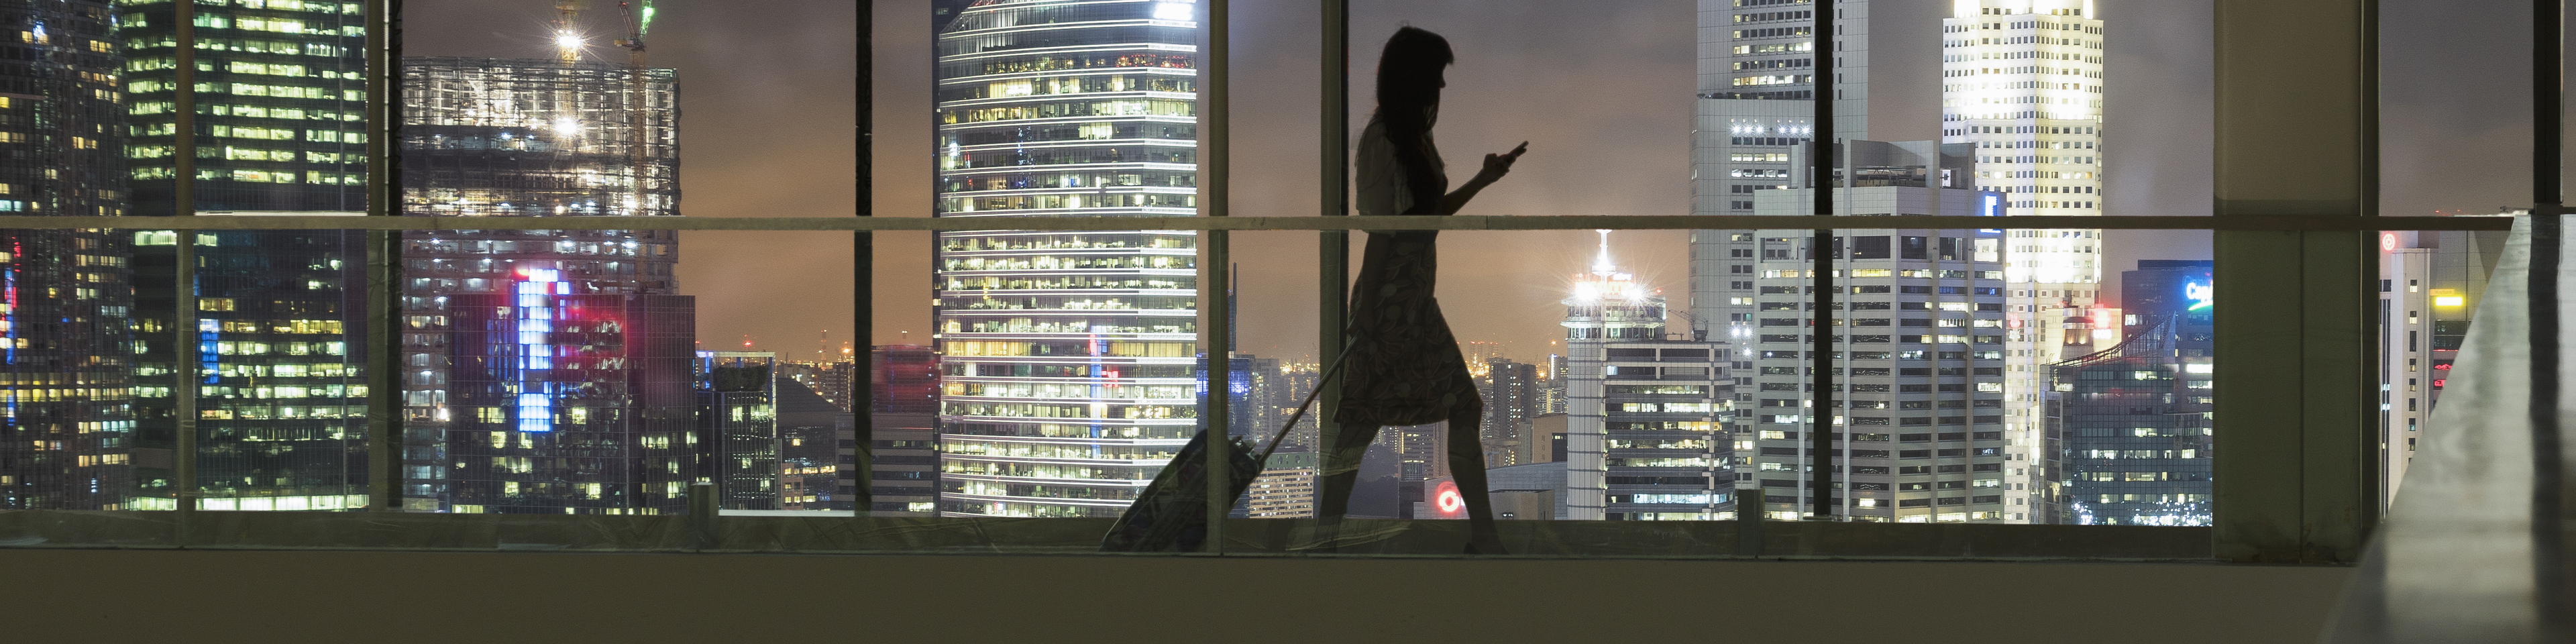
<point x="1404" y="366"/>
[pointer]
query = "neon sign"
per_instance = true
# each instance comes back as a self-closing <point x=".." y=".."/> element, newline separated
<point x="1446" y="499"/>
<point x="2201" y="294"/>
<point x="537" y="312"/>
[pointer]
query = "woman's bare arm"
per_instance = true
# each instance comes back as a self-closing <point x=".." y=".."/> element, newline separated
<point x="1496" y="165"/>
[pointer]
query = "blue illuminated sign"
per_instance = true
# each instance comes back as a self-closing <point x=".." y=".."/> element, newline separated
<point x="536" y="312"/>
<point x="2201" y="294"/>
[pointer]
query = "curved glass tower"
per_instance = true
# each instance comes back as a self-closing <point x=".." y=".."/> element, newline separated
<point x="1069" y="357"/>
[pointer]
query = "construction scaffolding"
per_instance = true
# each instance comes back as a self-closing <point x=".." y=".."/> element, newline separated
<point x="486" y="137"/>
<point x="527" y="138"/>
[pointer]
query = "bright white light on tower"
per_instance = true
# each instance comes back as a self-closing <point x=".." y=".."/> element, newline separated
<point x="567" y="40"/>
<point x="1173" y="11"/>
<point x="567" y="125"/>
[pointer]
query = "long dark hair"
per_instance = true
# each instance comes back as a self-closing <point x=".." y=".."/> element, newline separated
<point x="1408" y="85"/>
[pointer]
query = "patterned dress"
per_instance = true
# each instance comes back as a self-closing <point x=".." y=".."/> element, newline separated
<point x="1403" y="367"/>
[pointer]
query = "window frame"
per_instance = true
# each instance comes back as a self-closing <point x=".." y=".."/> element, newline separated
<point x="2295" y="196"/>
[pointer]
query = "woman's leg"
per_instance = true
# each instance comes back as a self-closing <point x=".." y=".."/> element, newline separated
<point x="1467" y="467"/>
<point x="1340" y="470"/>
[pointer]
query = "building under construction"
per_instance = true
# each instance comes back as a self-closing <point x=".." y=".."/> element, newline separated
<point x="541" y="138"/>
<point x="489" y="137"/>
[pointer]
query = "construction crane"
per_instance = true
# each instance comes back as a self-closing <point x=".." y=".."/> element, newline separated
<point x="567" y="37"/>
<point x="639" y="20"/>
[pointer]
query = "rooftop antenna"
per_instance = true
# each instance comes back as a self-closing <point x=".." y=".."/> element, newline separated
<point x="1602" y="265"/>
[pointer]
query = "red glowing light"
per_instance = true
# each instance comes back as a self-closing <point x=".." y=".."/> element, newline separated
<point x="2442" y="367"/>
<point x="2438" y="382"/>
<point x="1447" y="499"/>
<point x="2387" y="242"/>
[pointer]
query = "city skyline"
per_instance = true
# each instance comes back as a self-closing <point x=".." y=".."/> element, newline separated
<point x="1507" y="55"/>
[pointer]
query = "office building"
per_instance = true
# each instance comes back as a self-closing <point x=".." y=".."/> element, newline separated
<point x="489" y="137"/>
<point x="810" y="431"/>
<point x="904" y="378"/>
<point x="906" y="472"/>
<point x="1267" y="395"/>
<point x="1646" y="430"/>
<point x="1249" y="393"/>
<point x="1301" y="379"/>
<point x="569" y="402"/>
<point x="1551" y="386"/>
<point x="1546" y="442"/>
<point x="906" y="457"/>
<point x="67" y="430"/>
<point x="1531" y="492"/>
<point x="2130" y="426"/>
<point x="1510" y="390"/>
<point x="2022" y="82"/>
<point x="1284" y="490"/>
<point x="738" y="434"/>
<point x="1755" y="108"/>
<point x="1069" y="358"/>
<point x="1921" y="342"/>
<point x="278" y="96"/>
<point x="2430" y="284"/>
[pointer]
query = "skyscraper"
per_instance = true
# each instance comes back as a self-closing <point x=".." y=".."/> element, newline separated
<point x="67" y="425"/>
<point x="1511" y="400"/>
<point x="2022" y="83"/>
<point x="1645" y="432"/>
<point x="2129" y="432"/>
<point x="810" y="432"/>
<point x="532" y="138"/>
<point x="1069" y="357"/>
<point x="566" y="402"/>
<point x="276" y="98"/>
<point x="738" y="428"/>
<point x="1916" y="322"/>
<point x="1757" y="87"/>
<point x="2430" y="284"/>
<point x="905" y="455"/>
<point x="1284" y="490"/>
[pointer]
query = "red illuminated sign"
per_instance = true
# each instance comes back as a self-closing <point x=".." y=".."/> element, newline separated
<point x="1446" y="500"/>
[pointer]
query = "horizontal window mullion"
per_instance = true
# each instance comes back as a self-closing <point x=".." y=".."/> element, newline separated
<point x="1460" y="222"/>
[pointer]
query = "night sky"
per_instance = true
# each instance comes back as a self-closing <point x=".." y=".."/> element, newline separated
<point x="1601" y="90"/>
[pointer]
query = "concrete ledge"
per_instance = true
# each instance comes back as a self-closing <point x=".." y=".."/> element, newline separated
<point x="275" y="596"/>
